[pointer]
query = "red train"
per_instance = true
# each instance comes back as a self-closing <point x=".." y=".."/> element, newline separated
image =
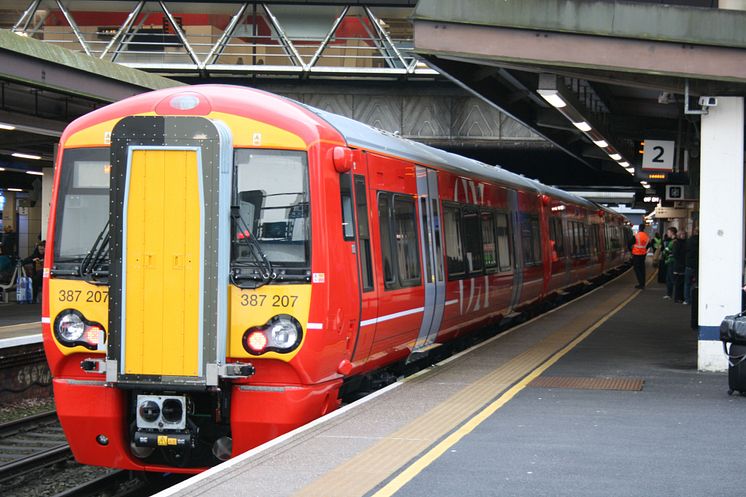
<point x="221" y="261"/>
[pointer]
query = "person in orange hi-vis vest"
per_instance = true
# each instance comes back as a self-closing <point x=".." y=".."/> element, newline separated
<point x="639" y="251"/>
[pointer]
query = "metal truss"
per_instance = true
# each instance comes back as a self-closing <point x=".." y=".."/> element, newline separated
<point x="254" y="41"/>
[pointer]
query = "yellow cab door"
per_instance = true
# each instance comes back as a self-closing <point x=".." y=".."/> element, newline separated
<point x="162" y="263"/>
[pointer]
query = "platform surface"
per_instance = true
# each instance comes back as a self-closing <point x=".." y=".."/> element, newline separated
<point x="474" y="425"/>
<point x="20" y="324"/>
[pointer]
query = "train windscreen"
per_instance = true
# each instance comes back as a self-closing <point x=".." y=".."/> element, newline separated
<point x="271" y="191"/>
<point x="82" y="202"/>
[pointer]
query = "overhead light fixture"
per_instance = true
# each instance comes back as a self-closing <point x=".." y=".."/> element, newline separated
<point x="14" y="190"/>
<point x="35" y="173"/>
<point x="630" y="170"/>
<point x="2" y="169"/>
<point x="553" y="90"/>
<point x="624" y="164"/>
<point x="552" y="96"/>
<point x="26" y="156"/>
<point x="7" y="127"/>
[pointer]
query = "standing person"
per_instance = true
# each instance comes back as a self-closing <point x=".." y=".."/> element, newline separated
<point x="656" y="244"/>
<point x="691" y="264"/>
<point x="35" y="263"/>
<point x="662" y="270"/>
<point x="679" y="265"/>
<point x="639" y="251"/>
<point x="669" y="250"/>
<point x="10" y="242"/>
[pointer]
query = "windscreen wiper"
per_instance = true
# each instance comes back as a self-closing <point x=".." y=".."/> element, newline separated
<point x="94" y="257"/>
<point x="266" y="272"/>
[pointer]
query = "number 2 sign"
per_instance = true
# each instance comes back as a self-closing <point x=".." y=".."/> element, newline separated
<point x="658" y="154"/>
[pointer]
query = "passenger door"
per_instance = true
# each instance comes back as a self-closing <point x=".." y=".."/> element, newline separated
<point x="432" y="257"/>
<point x="368" y="298"/>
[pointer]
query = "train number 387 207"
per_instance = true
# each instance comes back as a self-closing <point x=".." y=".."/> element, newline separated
<point x="83" y="296"/>
<point x="255" y="300"/>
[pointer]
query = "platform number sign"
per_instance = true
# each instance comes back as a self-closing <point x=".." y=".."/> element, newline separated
<point x="658" y="154"/>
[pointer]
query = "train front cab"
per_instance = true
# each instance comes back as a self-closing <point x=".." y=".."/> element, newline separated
<point x="142" y="378"/>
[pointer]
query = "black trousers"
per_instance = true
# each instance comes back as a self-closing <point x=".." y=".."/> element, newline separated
<point x="638" y="262"/>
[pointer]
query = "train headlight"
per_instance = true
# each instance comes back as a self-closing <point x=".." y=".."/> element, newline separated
<point x="71" y="328"/>
<point x="282" y="333"/>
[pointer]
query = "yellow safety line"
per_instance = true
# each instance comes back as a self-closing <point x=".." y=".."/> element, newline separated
<point x="430" y="456"/>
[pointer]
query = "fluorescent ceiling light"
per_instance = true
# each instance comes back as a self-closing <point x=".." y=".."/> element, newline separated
<point x="2" y="169"/>
<point x="582" y="126"/>
<point x="7" y="127"/>
<point x="14" y="190"/>
<point x="600" y="143"/>
<point x="26" y="156"/>
<point x="630" y="170"/>
<point x="553" y="98"/>
<point x="36" y="173"/>
<point x="615" y="156"/>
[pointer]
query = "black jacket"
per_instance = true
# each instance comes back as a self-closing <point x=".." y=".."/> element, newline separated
<point x="692" y="252"/>
<point x="679" y="255"/>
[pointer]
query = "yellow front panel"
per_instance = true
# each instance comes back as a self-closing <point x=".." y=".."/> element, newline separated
<point x="255" y="307"/>
<point x="92" y="301"/>
<point x="162" y="266"/>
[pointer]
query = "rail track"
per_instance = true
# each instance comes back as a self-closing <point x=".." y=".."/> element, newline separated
<point x="31" y="443"/>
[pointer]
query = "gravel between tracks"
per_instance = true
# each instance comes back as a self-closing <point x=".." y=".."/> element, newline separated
<point x="23" y="408"/>
<point x="48" y="482"/>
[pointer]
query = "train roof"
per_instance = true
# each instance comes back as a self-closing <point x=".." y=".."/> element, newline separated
<point x="361" y="135"/>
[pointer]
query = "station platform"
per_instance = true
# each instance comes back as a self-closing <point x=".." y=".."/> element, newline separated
<point x="20" y="324"/>
<point x="598" y="397"/>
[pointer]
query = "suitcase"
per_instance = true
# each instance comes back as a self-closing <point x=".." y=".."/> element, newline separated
<point x="736" y="369"/>
<point x="733" y="332"/>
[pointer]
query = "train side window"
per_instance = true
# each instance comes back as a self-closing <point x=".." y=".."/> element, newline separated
<point x="503" y="242"/>
<point x="348" y="219"/>
<point x="438" y="248"/>
<point x="454" y="246"/>
<point x="555" y="234"/>
<point x="488" y="241"/>
<point x="363" y="233"/>
<point x="406" y="240"/>
<point x="426" y="243"/>
<point x="575" y="239"/>
<point x="530" y="240"/>
<point x="387" y="253"/>
<point x="472" y="240"/>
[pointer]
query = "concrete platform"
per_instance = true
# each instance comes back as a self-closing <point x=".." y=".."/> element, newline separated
<point x="474" y="426"/>
<point x="20" y="324"/>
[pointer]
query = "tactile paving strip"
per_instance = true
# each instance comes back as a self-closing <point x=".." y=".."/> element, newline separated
<point x="629" y="384"/>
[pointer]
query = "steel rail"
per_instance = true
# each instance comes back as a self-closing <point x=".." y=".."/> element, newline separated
<point x="12" y="427"/>
<point x="36" y="461"/>
<point x="108" y="484"/>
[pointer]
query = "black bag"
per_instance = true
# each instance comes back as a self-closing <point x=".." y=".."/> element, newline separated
<point x="733" y="329"/>
<point x="736" y="368"/>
